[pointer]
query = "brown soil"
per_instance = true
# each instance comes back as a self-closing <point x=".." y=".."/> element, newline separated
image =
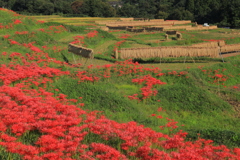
<point x="234" y="103"/>
<point x="236" y="106"/>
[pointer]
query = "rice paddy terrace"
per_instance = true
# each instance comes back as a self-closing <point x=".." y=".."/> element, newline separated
<point x="139" y="38"/>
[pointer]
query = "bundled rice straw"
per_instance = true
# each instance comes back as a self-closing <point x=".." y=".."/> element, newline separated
<point x="82" y="51"/>
<point x="127" y="19"/>
<point x="230" y="48"/>
<point x="201" y="28"/>
<point x="145" y="23"/>
<point x="171" y="32"/>
<point x="161" y="52"/>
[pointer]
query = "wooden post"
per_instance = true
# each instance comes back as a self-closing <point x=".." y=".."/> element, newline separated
<point x="166" y="37"/>
<point x="116" y="53"/>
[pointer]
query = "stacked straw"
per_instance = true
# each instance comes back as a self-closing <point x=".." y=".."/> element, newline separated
<point x="201" y="28"/>
<point x="230" y="48"/>
<point x="82" y="51"/>
<point x="161" y="52"/>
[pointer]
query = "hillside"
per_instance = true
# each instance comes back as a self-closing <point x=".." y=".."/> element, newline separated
<point x="56" y="105"/>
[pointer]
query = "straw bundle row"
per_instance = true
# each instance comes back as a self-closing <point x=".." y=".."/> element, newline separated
<point x="127" y="19"/>
<point x="147" y="19"/>
<point x="176" y="27"/>
<point x="171" y="32"/>
<point x="221" y="43"/>
<point x="149" y="29"/>
<point x="201" y="28"/>
<point x="117" y="27"/>
<point x="157" y="20"/>
<point x="146" y="23"/>
<point x="82" y="51"/>
<point x="135" y="29"/>
<point x="169" y="52"/>
<point x="210" y="44"/>
<point x="206" y="44"/>
<point x="104" y="28"/>
<point x="230" y="48"/>
<point x="105" y="22"/>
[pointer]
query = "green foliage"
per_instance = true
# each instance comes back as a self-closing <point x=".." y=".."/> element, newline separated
<point x="188" y="41"/>
<point x="233" y="40"/>
<point x="180" y="96"/>
<point x="76" y="29"/>
<point x="226" y="137"/>
<point x="97" y="97"/>
<point x="106" y="35"/>
<point x="7" y="155"/>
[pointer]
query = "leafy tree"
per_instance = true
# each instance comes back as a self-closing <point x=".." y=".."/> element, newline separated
<point x="147" y="8"/>
<point x="181" y="14"/>
<point x="62" y="6"/>
<point x="128" y="10"/>
<point x="97" y="8"/>
<point x="162" y="15"/>
<point x="76" y="5"/>
<point x="190" y="5"/>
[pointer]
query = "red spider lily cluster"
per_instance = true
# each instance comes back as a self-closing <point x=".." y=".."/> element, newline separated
<point x="23" y="32"/>
<point x="217" y="75"/>
<point x="118" y="44"/>
<point x="92" y="34"/>
<point x="148" y="91"/>
<point x="64" y="130"/>
<point x="78" y="40"/>
<point x="40" y="22"/>
<point x="10" y="12"/>
<point x="55" y="29"/>
<point x="124" y="36"/>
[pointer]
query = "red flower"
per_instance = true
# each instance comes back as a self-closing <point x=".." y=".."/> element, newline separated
<point x="6" y="36"/>
<point x="17" y="21"/>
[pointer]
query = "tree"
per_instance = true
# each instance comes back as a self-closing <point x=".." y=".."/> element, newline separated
<point x="190" y="5"/>
<point x="43" y="7"/>
<point x="181" y="14"/>
<point x="62" y="6"/>
<point x="161" y="15"/>
<point x="96" y="8"/>
<point x="128" y="10"/>
<point x="76" y="5"/>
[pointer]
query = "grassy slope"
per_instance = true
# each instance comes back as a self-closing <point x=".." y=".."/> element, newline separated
<point x="192" y="101"/>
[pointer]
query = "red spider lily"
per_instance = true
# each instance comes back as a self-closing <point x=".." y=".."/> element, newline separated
<point x="235" y="87"/>
<point x="17" y="72"/>
<point x="13" y="42"/>
<point x="92" y="34"/>
<point x="124" y="36"/>
<point x="6" y="36"/>
<point x="134" y="96"/>
<point x="160" y="74"/>
<point x="218" y="75"/>
<point x="17" y="21"/>
<point x="147" y="90"/>
<point x="103" y="152"/>
<point x="40" y="22"/>
<point x="78" y="39"/>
